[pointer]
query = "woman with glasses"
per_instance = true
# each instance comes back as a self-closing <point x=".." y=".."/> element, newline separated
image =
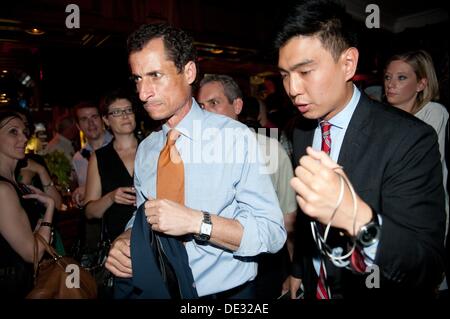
<point x="110" y="193"/>
<point x="24" y="209"/>
<point x="109" y="182"/>
<point x="109" y="185"/>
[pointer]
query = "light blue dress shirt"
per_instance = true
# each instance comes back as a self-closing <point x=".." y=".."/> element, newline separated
<point x="224" y="175"/>
<point x="339" y="124"/>
<point x="80" y="164"/>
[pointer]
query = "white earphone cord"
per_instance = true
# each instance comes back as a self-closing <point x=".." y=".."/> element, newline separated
<point x="339" y="261"/>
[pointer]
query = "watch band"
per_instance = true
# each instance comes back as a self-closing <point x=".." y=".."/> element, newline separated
<point x="206" y="217"/>
<point x="47" y="224"/>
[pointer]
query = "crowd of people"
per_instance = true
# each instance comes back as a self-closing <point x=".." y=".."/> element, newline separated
<point x="211" y="206"/>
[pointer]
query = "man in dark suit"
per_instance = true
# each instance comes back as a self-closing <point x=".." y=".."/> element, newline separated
<point x="390" y="158"/>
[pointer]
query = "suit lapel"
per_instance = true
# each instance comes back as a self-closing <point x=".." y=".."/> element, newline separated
<point x="302" y="138"/>
<point x="356" y="136"/>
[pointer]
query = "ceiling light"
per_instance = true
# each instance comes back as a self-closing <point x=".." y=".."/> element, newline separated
<point x="35" y="31"/>
<point x="216" y="51"/>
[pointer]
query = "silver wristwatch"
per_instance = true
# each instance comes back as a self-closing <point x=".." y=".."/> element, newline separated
<point x="369" y="233"/>
<point x="205" y="228"/>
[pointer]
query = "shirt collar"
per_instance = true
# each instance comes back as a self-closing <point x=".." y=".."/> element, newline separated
<point x="342" y="119"/>
<point x="107" y="137"/>
<point x="186" y="125"/>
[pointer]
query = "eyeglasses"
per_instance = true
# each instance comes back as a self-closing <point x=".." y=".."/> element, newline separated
<point x="117" y="113"/>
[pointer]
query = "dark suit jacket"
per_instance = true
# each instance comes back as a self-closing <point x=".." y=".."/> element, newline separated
<point x="147" y="281"/>
<point x="393" y="162"/>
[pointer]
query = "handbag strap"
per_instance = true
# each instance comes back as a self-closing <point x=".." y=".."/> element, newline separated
<point x="49" y="249"/>
<point x="104" y="235"/>
<point x="35" y="256"/>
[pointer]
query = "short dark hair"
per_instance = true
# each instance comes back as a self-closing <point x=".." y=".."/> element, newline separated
<point x="114" y="95"/>
<point x="84" y="105"/>
<point x="230" y="87"/>
<point x="325" y="19"/>
<point x="179" y="46"/>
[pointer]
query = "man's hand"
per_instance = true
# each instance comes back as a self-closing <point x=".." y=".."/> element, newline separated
<point x="294" y="286"/>
<point x="171" y="218"/>
<point x="119" y="256"/>
<point x="317" y="185"/>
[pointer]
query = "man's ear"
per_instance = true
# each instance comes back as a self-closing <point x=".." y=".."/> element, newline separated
<point x="350" y="62"/>
<point x="237" y="105"/>
<point x="190" y="72"/>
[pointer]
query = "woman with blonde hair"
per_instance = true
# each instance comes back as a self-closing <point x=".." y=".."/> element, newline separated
<point x="411" y="84"/>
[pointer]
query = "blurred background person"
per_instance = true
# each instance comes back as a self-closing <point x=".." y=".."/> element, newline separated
<point x="411" y="84"/>
<point x="66" y="132"/>
<point x="109" y="185"/>
<point x="33" y="170"/>
<point x="89" y="122"/>
<point x="23" y="209"/>
<point x="220" y="94"/>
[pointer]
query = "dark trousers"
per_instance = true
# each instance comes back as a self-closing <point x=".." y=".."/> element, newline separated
<point x="244" y="291"/>
<point x="273" y="269"/>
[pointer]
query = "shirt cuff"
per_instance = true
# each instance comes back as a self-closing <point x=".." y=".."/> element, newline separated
<point x="251" y="243"/>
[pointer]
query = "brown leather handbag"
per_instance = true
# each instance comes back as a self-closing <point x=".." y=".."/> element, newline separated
<point x="60" y="277"/>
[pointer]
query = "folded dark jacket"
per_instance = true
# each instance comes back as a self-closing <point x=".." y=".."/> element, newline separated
<point x="151" y="252"/>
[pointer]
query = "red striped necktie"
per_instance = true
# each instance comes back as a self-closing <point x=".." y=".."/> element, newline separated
<point x="322" y="291"/>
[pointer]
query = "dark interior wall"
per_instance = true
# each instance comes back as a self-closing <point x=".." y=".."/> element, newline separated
<point x="67" y="71"/>
<point x="73" y="74"/>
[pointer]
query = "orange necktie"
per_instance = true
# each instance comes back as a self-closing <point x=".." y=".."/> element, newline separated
<point x="170" y="174"/>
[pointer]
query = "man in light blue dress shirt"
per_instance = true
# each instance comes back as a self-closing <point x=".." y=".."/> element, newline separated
<point x="224" y="174"/>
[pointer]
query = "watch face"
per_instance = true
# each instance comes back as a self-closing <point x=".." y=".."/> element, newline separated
<point x="206" y="229"/>
<point x="369" y="234"/>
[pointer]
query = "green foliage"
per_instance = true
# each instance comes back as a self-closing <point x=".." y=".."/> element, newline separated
<point x="59" y="167"/>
